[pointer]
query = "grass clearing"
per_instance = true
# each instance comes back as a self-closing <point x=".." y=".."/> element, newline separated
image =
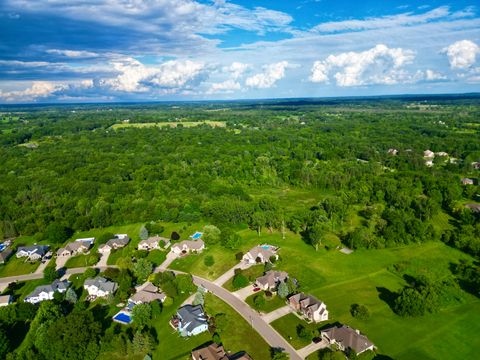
<point x="272" y="303"/>
<point x="17" y="266"/>
<point x="287" y="327"/>
<point x="82" y="260"/>
<point x="172" y="124"/>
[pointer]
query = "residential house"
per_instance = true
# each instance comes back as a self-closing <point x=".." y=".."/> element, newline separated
<point x="441" y="153"/>
<point x="187" y="246"/>
<point x="99" y="287"/>
<point x="152" y="243"/>
<point x="271" y="279"/>
<point x="74" y="248"/>
<point x="191" y="320"/>
<point x="6" y="300"/>
<point x="33" y="252"/>
<point x="428" y="154"/>
<point x="429" y="163"/>
<point x="147" y="293"/>
<point x="118" y="241"/>
<point x="45" y="292"/>
<point x="474" y="207"/>
<point x="392" y="152"/>
<point x="476" y="165"/>
<point x="310" y="307"/>
<point x="210" y="352"/>
<point x="467" y="181"/>
<point x="260" y="254"/>
<point x="5" y="254"/>
<point x="347" y="339"/>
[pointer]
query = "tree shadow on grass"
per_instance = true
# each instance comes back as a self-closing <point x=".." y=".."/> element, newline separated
<point x="388" y="296"/>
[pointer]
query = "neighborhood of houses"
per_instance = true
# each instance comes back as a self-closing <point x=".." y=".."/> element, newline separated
<point x="191" y="319"/>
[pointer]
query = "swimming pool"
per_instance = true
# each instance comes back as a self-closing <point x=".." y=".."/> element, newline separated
<point x="122" y="318"/>
<point x="197" y="235"/>
<point x="2" y="247"/>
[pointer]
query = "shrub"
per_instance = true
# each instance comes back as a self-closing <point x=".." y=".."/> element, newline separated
<point x="211" y="234"/>
<point x="239" y="256"/>
<point x="359" y="311"/>
<point x="259" y="301"/>
<point x="209" y="260"/>
<point x="239" y="281"/>
<point x="175" y="236"/>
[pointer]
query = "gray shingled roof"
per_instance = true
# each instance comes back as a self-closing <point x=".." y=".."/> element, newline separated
<point x="56" y="285"/>
<point x="102" y="284"/>
<point x="349" y="338"/>
<point x="192" y="315"/>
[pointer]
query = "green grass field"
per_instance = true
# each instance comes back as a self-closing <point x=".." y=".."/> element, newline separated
<point x="172" y="124"/>
<point x="287" y="327"/>
<point x="15" y="266"/>
<point x="272" y="303"/>
<point x="82" y="260"/>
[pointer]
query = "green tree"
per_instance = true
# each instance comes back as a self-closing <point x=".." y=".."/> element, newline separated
<point x="143" y="233"/>
<point x="211" y="234"/>
<point x="259" y="301"/>
<point x="239" y="281"/>
<point x="142" y="268"/>
<point x="71" y="296"/>
<point x="4" y="344"/>
<point x="142" y="343"/>
<point x="282" y="290"/>
<point x="50" y="274"/>
<point x="209" y="260"/>
<point x="141" y="315"/>
<point x="57" y="233"/>
<point x="359" y="311"/>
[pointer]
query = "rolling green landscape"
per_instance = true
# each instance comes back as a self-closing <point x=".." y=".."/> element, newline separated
<point x="356" y="224"/>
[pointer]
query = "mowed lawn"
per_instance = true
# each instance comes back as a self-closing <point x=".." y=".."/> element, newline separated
<point x="15" y="266"/>
<point x="362" y="277"/>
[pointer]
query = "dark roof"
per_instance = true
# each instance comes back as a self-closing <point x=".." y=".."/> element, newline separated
<point x="349" y="338"/>
<point x="192" y="316"/>
<point x="210" y="352"/>
<point x="38" y="249"/>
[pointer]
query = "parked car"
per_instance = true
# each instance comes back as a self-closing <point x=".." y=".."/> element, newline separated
<point x="256" y="289"/>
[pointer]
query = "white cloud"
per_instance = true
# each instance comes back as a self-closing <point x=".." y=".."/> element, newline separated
<point x="378" y="65"/>
<point x="136" y="77"/>
<point x="462" y="54"/>
<point x="270" y="75"/>
<point x="225" y="87"/>
<point x="73" y="53"/>
<point x="431" y="75"/>
<point x="237" y="69"/>
<point x="38" y="89"/>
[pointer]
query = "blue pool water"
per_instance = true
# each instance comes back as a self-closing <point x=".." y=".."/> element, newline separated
<point x="197" y="235"/>
<point x="2" y="246"/>
<point x="125" y="318"/>
<point x="266" y="247"/>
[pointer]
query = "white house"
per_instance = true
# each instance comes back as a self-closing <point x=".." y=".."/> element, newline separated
<point x="310" y="307"/>
<point x="99" y="287"/>
<point x="187" y="246"/>
<point x="33" y="253"/>
<point x="74" y="248"/>
<point x="118" y="241"/>
<point x="191" y="320"/>
<point x="152" y="243"/>
<point x="347" y="339"/>
<point x="45" y="292"/>
<point x="260" y="254"/>
<point x="428" y="154"/>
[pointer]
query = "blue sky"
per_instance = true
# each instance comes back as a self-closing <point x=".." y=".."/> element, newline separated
<point x="133" y="50"/>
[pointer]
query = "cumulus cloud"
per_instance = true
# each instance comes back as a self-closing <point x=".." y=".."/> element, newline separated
<point x="431" y="75"/>
<point x="137" y="77"/>
<point x="38" y="89"/>
<point x="270" y="75"/>
<point x="378" y="65"/>
<point x="462" y="54"/>
<point x="236" y="69"/>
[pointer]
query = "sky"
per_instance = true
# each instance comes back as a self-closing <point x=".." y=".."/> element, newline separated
<point x="152" y="50"/>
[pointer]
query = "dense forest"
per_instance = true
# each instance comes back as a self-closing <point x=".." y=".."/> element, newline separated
<point x="68" y="167"/>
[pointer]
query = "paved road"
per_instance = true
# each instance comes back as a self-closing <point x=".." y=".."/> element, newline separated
<point x="38" y="274"/>
<point x="307" y="350"/>
<point x="271" y="336"/>
<point x="276" y="314"/>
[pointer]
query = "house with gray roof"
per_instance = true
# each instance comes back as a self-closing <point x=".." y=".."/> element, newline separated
<point x="271" y="279"/>
<point x="309" y="306"/>
<point x="6" y="300"/>
<point x="152" y="243"/>
<point x="118" y="241"/>
<point x="260" y="254"/>
<point x="74" y="248"/>
<point x="45" y="292"/>
<point x="5" y="254"/>
<point x="99" y="287"/>
<point x="347" y="339"/>
<point x="147" y="293"/>
<point x="187" y="246"/>
<point x="191" y="320"/>
<point x="33" y="252"/>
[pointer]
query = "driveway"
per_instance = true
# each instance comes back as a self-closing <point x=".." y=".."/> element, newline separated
<point x="102" y="263"/>
<point x="222" y="279"/>
<point x="166" y="263"/>
<point x="307" y="350"/>
<point x="271" y="336"/>
<point x="245" y="292"/>
<point x="61" y="261"/>
<point x="277" y="314"/>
